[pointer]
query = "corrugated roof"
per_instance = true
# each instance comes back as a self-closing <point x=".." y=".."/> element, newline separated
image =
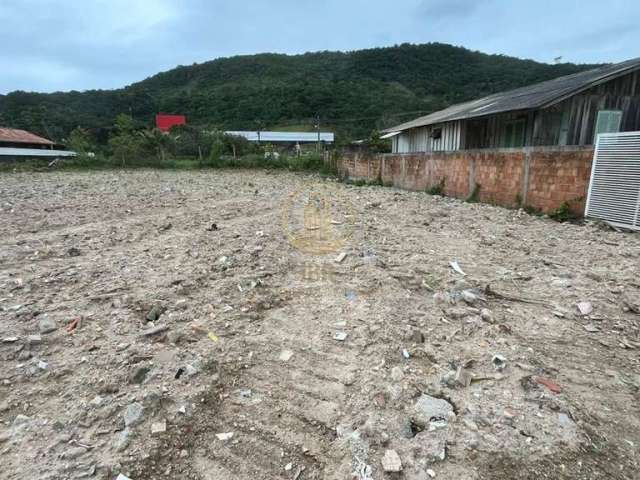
<point x="283" y="136"/>
<point x="21" y="136"/>
<point x="539" y="95"/>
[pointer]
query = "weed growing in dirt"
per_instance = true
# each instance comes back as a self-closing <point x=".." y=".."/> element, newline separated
<point x="563" y="213"/>
<point x="436" y="189"/>
<point x="361" y="182"/>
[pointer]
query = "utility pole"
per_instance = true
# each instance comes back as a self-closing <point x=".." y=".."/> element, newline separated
<point x="318" y="128"/>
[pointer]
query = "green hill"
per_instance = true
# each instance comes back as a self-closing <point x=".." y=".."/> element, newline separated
<point x="352" y="92"/>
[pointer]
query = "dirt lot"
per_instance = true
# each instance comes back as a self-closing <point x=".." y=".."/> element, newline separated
<point x="243" y="378"/>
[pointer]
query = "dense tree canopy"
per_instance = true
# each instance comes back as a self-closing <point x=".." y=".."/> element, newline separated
<point x="353" y="93"/>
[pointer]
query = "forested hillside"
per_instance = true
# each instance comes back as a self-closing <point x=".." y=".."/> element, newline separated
<point x="352" y="93"/>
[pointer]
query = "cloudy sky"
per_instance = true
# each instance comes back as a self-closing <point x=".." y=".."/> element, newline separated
<point x="53" y="45"/>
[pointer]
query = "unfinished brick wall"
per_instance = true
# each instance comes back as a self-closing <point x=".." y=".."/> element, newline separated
<point x="542" y="178"/>
<point x="557" y="177"/>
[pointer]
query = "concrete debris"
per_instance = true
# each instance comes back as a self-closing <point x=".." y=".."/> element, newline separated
<point x="340" y="336"/>
<point x="585" y="308"/>
<point x="20" y="420"/>
<point x="340" y="258"/>
<point x="486" y="315"/>
<point x="158" y="427"/>
<point x="463" y="377"/>
<point x="154" y="330"/>
<point x="122" y="440"/>
<point x="133" y="414"/>
<point x="431" y="473"/>
<point x="469" y="297"/>
<point x="47" y="325"/>
<point x="391" y="461"/>
<point x="223" y="437"/>
<point x="428" y="408"/>
<point x="122" y="477"/>
<point x="631" y="302"/>
<point x="591" y="328"/>
<point x="154" y="314"/>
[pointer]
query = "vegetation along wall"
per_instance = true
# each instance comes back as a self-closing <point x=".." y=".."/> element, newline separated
<point x="539" y="178"/>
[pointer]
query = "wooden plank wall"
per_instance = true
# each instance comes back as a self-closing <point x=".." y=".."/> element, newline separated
<point x="542" y="126"/>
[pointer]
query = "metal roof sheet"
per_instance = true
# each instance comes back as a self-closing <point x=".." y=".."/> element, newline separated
<point x="284" y="136"/>
<point x="21" y="136"/>
<point x="34" y="152"/>
<point x="538" y="95"/>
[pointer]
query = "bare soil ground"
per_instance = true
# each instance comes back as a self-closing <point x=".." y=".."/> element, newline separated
<point x="458" y="381"/>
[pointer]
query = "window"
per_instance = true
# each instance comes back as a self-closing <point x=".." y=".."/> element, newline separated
<point x="564" y="128"/>
<point x="608" y="122"/>
<point x="514" y="133"/>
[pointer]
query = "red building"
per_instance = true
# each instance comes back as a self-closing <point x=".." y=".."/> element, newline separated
<point x="165" y="122"/>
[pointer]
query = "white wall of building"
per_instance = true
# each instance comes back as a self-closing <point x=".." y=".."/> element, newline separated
<point x="421" y="139"/>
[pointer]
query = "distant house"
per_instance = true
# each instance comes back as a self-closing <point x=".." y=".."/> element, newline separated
<point x="569" y="110"/>
<point x="165" y="122"/>
<point x="22" y="144"/>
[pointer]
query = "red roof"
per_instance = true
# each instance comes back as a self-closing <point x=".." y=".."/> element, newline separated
<point x="165" y="122"/>
<point x="21" y="136"/>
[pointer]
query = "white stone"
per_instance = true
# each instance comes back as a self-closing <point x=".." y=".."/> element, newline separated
<point x="585" y="308"/>
<point x="223" y="437"/>
<point x="158" y="427"/>
<point x="391" y="461"/>
<point x="340" y="336"/>
<point x="285" y="355"/>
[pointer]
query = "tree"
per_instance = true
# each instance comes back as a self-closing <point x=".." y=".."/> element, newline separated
<point x="126" y="144"/>
<point x="80" y="141"/>
<point x="157" y="141"/>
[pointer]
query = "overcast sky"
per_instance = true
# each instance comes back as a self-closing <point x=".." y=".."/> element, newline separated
<point x="50" y="45"/>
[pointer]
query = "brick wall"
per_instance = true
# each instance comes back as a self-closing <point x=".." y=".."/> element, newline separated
<point x="541" y="177"/>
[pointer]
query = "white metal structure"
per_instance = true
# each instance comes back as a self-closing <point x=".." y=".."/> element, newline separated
<point x="34" y="152"/>
<point x="614" y="189"/>
<point x="443" y="137"/>
<point x="289" y="137"/>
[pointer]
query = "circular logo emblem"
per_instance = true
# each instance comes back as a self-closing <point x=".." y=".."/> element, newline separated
<point x="317" y="219"/>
